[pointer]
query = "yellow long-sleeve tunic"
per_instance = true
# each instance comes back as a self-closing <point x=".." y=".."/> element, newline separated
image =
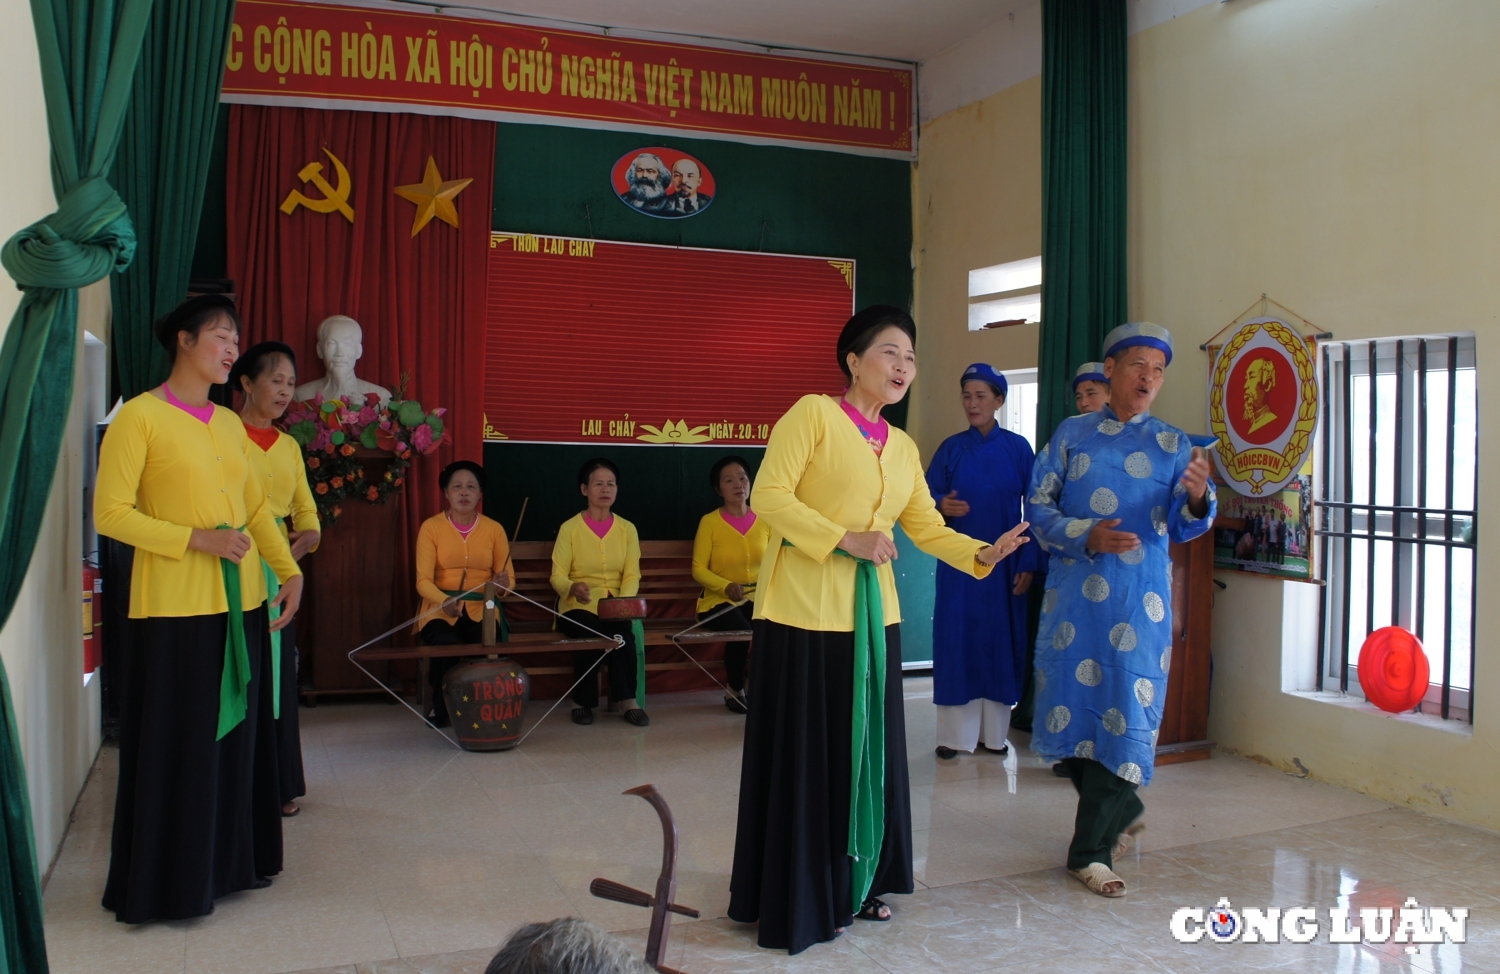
<point x="610" y="565"/>
<point x="820" y="480"/>
<point x="163" y="473"/>
<point x="722" y="555"/>
<point x="449" y="562"/>
<point x="284" y="476"/>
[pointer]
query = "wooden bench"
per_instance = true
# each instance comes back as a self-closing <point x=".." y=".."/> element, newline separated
<point x="666" y="584"/>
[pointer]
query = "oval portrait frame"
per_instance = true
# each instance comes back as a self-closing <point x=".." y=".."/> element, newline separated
<point x="677" y="202"/>
<point x="1262" y="469"/>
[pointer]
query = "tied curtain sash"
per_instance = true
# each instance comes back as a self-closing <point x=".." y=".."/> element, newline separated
<point x="87" y="51"/>
<point x="867" y="730"/>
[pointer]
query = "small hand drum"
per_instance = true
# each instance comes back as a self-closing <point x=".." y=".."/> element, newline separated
<point x="622" y="608"/>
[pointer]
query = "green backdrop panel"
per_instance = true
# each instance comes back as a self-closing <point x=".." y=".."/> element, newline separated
<point x="916" y="574"/>
<point x="663" y="489"/>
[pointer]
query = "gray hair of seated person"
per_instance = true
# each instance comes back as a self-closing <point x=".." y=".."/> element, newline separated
<point x="564" y="946"/>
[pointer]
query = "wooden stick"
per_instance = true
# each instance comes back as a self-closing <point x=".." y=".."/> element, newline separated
<point x="516" y="534"/>
<point x="487" y="625"/>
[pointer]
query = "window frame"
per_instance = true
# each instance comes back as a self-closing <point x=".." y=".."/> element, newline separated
<point x="1403" y="529"/>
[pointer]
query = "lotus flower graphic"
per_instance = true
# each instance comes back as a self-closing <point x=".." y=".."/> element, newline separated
<point x="674" y="431"/>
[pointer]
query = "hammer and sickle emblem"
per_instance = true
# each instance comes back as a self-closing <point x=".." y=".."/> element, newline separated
<point x="334" y="198"/>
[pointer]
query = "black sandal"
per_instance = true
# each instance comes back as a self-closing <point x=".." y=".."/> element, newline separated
<point x="583" y="715"/>
<point x="946" y="753"/>
<point x="871" y="911"/>
<point x="637" y="717"/>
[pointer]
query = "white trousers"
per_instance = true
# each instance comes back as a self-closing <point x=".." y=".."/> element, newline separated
<point x="976" y="722"/>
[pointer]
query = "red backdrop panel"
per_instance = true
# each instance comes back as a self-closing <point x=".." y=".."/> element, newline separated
<point x="419" y="299"/>
<point x="718" y="344"/>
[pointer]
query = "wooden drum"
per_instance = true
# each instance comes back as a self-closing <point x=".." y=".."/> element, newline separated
<point x="487" y="699"/>
<point x="622" y="608"/>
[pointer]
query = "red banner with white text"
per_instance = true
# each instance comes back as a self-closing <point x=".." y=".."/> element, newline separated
<point x="318" y="55"/>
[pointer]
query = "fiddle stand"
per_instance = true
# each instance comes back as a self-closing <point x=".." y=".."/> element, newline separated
<point x="661" y="904"/>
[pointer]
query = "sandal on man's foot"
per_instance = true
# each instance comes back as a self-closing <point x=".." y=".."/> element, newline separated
<point x="294" y="809"/>
<point x="1100" y="879"/>
<point x="1128" y="839"/>
<point x="583" y="715"/>
<point x="871" y="911"/>
<point x="1002" y="750"/>
<point x="637" y="717"/>
<point x="946" y="753"/>
<point x="736" y="703"/>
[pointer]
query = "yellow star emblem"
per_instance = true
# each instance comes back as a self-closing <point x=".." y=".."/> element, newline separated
<point x="434" y="197"/>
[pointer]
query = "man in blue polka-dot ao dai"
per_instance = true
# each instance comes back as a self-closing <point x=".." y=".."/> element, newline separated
<point x="1105" y="640"/>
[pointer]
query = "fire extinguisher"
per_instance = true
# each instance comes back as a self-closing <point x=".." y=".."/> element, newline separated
<point x="93" y="618"/>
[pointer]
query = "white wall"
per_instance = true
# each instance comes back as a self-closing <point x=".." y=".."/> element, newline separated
<point x="41" y="646"/>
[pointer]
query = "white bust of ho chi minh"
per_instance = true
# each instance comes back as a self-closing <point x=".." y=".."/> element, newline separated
<point x="340" y="345"/>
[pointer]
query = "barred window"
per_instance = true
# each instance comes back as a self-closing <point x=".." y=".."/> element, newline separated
<point x="1397" y="513"/>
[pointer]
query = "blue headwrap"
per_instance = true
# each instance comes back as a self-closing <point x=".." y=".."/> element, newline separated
<point x="986" y="373"/>
<point x="1090" y="372"/>
<point x="1134" y="333"/>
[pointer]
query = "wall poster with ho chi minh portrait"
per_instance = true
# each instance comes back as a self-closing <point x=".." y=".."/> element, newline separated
<point x="597" y="341"/>
<point x="1263" y="401"/>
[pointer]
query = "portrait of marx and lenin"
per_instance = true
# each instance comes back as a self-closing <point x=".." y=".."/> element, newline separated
<point x="663" y="183"/>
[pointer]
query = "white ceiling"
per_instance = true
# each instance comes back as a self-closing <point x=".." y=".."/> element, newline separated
<point x="899" y="29"/>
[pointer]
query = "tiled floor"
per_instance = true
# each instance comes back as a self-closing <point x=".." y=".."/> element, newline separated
<point x="410" y="856"/>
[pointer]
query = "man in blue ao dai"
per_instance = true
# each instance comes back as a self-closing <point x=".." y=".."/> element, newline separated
<point x="1108" y="494"/>
<point x="978" y="479"/>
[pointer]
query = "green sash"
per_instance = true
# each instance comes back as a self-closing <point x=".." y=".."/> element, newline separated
<point x="502" y="627"/>
<point x="639" y="632"/>
<point x="867" y="754"/>
<point x="235" y="682"/>
<point x="273" y="587"/>
<point x="867" y="731"/>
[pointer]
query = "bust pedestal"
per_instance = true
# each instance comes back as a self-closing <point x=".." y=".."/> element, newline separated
<point x="352" y="593"/>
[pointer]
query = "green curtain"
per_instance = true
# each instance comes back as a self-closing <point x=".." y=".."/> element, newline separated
<point x="1083" y="193"/>
<point x="88" y="53"/>
<point x="161" y="173"/>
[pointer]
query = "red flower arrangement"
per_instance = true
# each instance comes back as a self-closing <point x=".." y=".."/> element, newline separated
<point x="330" y="432"/>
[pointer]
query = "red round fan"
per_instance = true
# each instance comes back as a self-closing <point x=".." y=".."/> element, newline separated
<point x="1393" y="669"/>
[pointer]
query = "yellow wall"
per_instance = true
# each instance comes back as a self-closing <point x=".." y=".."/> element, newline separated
<point x="977" y="192"/>
<point x="1343" y="158"/>
<point x="57" y="717"/>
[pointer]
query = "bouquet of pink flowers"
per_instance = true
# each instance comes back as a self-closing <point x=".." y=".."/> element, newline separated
<point x="330" y="431"/>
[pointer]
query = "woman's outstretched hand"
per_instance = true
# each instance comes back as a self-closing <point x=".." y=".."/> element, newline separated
<point x="1005" y="544"/>
<point x="869" y="545"/>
